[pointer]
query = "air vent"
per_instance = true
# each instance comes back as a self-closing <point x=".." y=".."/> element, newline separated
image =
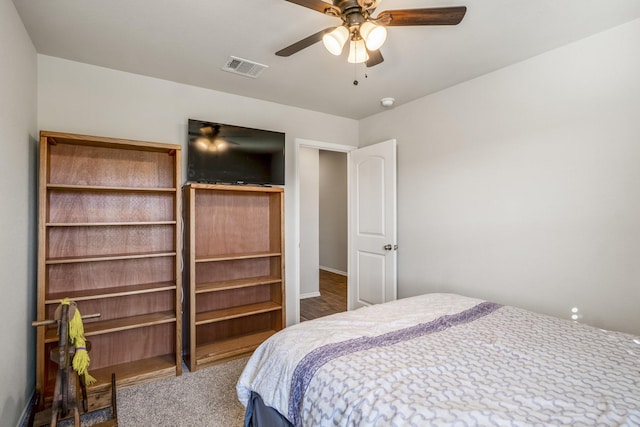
<point x="243" y="67"/>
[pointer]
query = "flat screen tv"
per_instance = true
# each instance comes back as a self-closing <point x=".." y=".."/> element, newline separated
<point x="227" y="154"/>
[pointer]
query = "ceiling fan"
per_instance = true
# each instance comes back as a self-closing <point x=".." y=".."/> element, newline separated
<point x="364" y="32"/>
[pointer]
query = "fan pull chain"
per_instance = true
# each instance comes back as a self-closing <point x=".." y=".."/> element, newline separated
<point x="355" y="70"/>
<point x="355" y="74"/>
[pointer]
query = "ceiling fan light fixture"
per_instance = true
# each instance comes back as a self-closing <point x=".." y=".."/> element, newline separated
<point x="374" y="35"/>
<point x="334" y="41"/>
<point x="357" y="52"/>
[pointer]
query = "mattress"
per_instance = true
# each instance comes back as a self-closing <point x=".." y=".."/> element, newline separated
<point x="444" y="359"/>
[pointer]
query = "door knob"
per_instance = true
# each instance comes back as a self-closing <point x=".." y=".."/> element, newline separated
<point x="387" y="247"/>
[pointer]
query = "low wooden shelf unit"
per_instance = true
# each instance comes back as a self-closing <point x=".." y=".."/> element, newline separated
<point x="235" y="270"/>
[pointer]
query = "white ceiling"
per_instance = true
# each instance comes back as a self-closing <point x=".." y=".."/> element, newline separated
<point x="188" y="41"/>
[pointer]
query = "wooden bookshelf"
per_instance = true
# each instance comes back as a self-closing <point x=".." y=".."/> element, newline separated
<point x="110" y="239"/>
<point x="234" y="266"/>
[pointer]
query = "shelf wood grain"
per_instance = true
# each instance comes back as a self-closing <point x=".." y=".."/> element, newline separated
<point x="236" y="312"/>
<point x="220" y="351"/>
<point x="77" y="259"/>
<point x="105" y="188"/>
<point x="56" y="138"/>
<point x="108" y="224"/>
<point x="227" y="257"/>
<point x="136" y="372"/>
<point x="236" y="284"/>
<point x="116" y="291"/>
<point x="121" y="324"/>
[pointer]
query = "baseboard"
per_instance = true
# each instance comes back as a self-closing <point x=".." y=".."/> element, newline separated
<point x="26" y="413"/>
<point x="310" y="295"/>
<point x="333" y="270"/>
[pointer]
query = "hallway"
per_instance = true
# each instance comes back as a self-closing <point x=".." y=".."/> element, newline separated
<point x="333" y="299"/>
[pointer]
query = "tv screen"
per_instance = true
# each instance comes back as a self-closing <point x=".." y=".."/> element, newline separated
<point x="227" y="154"/>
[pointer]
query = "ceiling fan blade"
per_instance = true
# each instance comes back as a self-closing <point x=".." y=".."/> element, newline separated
<point x="375" y="57"/>
<point x="429" y="16"/>
<point x="304" y="43"/>
<point x="317" y="5"/>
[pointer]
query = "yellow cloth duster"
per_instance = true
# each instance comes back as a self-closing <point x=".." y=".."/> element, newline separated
<point x="76" y="335"/>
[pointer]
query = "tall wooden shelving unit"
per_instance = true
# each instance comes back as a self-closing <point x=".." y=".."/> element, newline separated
<point x="110" y="238"/>
<point x="234" y="265"/>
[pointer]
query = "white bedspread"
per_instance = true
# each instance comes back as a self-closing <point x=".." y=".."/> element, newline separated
<point x="442" y="359"/>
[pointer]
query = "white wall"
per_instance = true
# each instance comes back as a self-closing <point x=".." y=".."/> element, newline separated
<point x="523" y="186"/>
<point x="309" y="173"/>
<point x="333" y="211"/>
<point x="18" y="133"/>
<point x="81" y="98"/>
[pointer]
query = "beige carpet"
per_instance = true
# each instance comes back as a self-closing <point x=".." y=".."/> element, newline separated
<point x="206" y="397"/>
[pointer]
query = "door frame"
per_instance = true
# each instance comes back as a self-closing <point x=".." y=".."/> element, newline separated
<point x="327" y="146"/>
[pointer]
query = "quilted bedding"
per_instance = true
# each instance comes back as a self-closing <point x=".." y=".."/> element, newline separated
<point x="443" y="359"/>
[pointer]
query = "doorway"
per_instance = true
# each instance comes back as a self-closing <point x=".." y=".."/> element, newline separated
<point x="323" y="232"/>
<point x="322" y="228"/>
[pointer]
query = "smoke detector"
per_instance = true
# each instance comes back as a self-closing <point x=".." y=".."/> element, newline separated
<point x="244" y="67"/>
<point x="387" y="102"/>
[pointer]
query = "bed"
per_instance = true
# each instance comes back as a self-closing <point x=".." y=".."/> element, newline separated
<point x="443" y="359"/>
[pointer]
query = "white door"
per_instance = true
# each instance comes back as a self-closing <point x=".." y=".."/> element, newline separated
<point x="373" y="244"/>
